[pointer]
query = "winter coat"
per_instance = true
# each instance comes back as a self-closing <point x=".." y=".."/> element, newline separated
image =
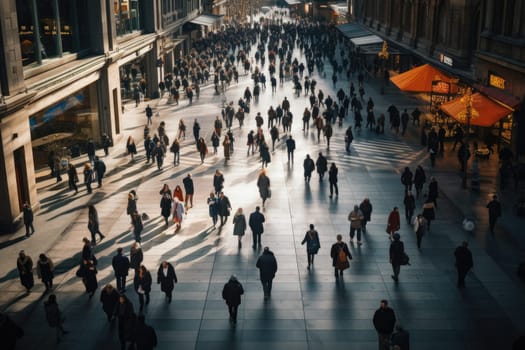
<point x="145" y="337"/>
<point x="45" y="269"/>
<point x="232" y="292"/>
<point x="90" y="278"/>
<point x="213" y="207"/>
<point x="366" y="209"/>
<point x="167" y="283"/>
<point x="165" y="205"/>
<point x="397" y="250"/>
<point x="136" y="256"/>
<point x="428" y="211"/>
<point x="28" y="215"/>
<point x="263" y="183"/>
<point x="132" y="206"/>
<point x="188" y="185"/>
<point x="384" y="320"/>
<point x="120" y="265"/>
<point x="334" y="252"/>
<point x="309" y="166"/>
<point x="178" y="212"/>
<point x="218" y="182"/>
<point x="409" y="202"/>
<point x="256" y="222"/>
<point x="463" y="258"/>
<point x="267" y="265"/>
<point x="109" y="300"/>
<point x="394" y="222"/>
<point x="239" y="224"/>
<point x="322" y="165"/>
<point x="144" y="282"/>
<point x="25" y="269"/>
<point x="126" y="320"/>
<point x="355" y="218"/>
<point x="224" y="206"/>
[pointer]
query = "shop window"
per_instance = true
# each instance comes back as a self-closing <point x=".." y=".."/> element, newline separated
<point x="48" y="28"/>
<point x="127" y="16"/>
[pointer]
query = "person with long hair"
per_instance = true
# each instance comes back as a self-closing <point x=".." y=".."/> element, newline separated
<point x="142" y="283"/>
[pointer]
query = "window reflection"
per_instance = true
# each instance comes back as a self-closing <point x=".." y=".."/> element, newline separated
<point x="127" y="16"/>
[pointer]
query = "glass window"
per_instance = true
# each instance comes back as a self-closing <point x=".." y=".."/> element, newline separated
<point x="26" y="31"/>
<point x="127" y="16"/>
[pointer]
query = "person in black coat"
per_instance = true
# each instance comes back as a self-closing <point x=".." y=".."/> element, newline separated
<point x="189" y="189"/>
<point x="231" y="293"/>
<point x="321" y="165"/>
<point x="309" y="167"/>
<point x="366" y="209"/>
<point x="90" y="149"/>
<point x="267" y="265"/>
<point x="494" y="207"/>
<point x="135" y="256"/>
<point x="332" y="178"/>
<point x="126" y="321"/>
<point x="255" y="222"/>
<point x="464" y="263"/>
<point x="165" y="205"/>
<point x="45" y="270"/>
<point x="28" y="219"/>
<point x="109" y="298"/>
<point x="100" y="169"/>
<point x="145" y="336"/>
<point x="167" y="278"/>
<point x="24" y="263"/>
<point x="384" y="322"/>
<point x="336" y="253"/>
<point x="433" y="192"/>
<point x="400" y="338"/>
<point x="224" y="208"/>
<point x="397" y="251"/>
<point x="120" y="265"/>
<point x="218" y="182"/>
<point x="142" y="283"/>
<point x="90" y="278"/>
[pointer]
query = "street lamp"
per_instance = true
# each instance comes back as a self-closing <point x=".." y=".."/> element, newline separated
<point x="467" y="115"/>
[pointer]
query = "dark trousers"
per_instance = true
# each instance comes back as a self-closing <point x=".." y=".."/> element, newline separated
<point x="232" y="309"/>
<point x="409" y="212"/>
<point x="88" y="187"/>
<point x="48" y="284"/>
<point x="290" y="156"/>
<point x="462" y="273"/>
<point x="141" y="299"/>
<point x="492" y="223"/>
<point x="73" y="185"/>
<point x="256" y="239"/>
<point x="310" y="258"/>
<point x="353" y="231"/>
<point x="29" y="226"/>
<point x="267" y="287"/>
<point x="396" y="268"/>
<point x="121" y="283"/>
<point x="419" y="237"/>
<point x="333" y="185"/>
<point x="384" y="341"/>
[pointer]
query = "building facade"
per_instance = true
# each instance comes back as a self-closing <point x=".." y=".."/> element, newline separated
<point x="482" y="42"/>
<point x="65" y="67"/>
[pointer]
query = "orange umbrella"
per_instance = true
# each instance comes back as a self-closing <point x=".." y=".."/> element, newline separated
<point x="420" y="79"/>
<point x="489" y="112"/>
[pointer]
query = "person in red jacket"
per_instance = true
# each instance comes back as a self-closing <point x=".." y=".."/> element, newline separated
<point x="394" y="223"/>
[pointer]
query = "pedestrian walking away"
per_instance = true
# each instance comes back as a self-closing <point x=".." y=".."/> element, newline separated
<point x="384" y="321"/>
<point x="144" y="335"/>
<point x="290" y="147"/>
<point x="167" y="278"/>
<point x="397" y="255"/>
<point x="366" y="209"/>
<point x="239" y="226"/>
<point x="256" y="222"/>
<point x="332" y="179"/>
<point x="213" y="208"/>
<point x="428" y="212"/>
<point x="267" y="265"/>
<point x="231" y="293"/>
<point x="121" y="266"/>
<point x="340" y="256"/>
<point x="126" y="322"/>
<point x="109" y="299"/>
<point x="309" y="167"/>
<point x="322" y="166"/>
<point x="420" y="228"/>
<point x="393" y="223"/>
<point x="263" y="183"/>
<point x="93" y="224"/>
<point x="494" y="208"/>
<point x="54" y="316"/>
<point x="410" y="205"/>
<point x="311" y="238"/>
<point x="24" y="264"/>
<point x="142" y="283"/>
<point x="224" y="208"/>
<point x="189" y="189"/>
<point x="464" y="263"/>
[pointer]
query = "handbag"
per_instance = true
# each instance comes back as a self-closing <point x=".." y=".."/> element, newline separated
<point x="80" y="272"/>
<point x="269" y="193"/>
<point x="405" y="259"/>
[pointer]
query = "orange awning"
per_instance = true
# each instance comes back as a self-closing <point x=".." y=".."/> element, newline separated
<point x="420" y="79"/>
<point x="489" y="111"/>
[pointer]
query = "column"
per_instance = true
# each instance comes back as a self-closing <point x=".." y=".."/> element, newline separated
<point x="489" y="13"/>
<point x="58" y="36"/>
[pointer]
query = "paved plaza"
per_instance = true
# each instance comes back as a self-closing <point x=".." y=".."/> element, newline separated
<point x="308" y="309"/>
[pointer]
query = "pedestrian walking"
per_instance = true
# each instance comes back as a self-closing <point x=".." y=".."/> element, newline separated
<point x="142" y="283"/>
<point x="121" y="266"/>
<point x="72" y="177"/>
<point x="178" y="194"/>
<point x="393" y="223"/>
<point x="356" y="218"/>
<point x="309" y="167"/>
<point x="397" y="255"/>
<point x="88" y="177"/>
<point x="178" y="213"/>
<point x="290" y="148"/>
<point x="311" y="238"/>
<point x="349" y="137"/>
<point x="263" y="183"/>
<point x="224" y="208"/>
<point x="239" y="225"/>
<point x="366" y="208"/>
<point x="340" y="256"/>
<point x="126" y="322"/>
<point x="100" y="169"/>
<point x="131" y="148"/>
<point x="106" y="142"/>
<point x="135" y="256"/>
<point x="132" y="203"/>
<point x="165" y="205"/>
<point x="196" y="130"/>
<point x="226" y="147"/>
<point x="267" y="265"/>
<point x="45" y="269"/>
<point x="406" y="179"/>
<point x="213" y="208"/>
<point x="384" y="321"/>
<point x="28" y="219"/>
<point x="149" y="114"/>
<point x="24" y="264"/>
<point x="167" y="278"/>
<point x="464" y="263"/>
<point x="428" y="212"/>
<point x="433" y="191"/>
<point x="218" y="181"/>
<point x="93" y="224"/>
<point x="231" y="293"/>
<point x="420" y="228"/>
<point x="55" y="318"/>
<point x="419" y="180"/>
<point x="256" y="222"/>
<point x="265" y="154"/>
<point x="189" y="189"/>
<point x="494" y="208"/>
<point x="322" y="165"/>
<point x="90" y="277"/>
<point x="109" y="298"/>
<point x="138" y="226"/>
<point x="145" y="336"/>
<point x="332" y="179"/>
<point x="175" y="149"/>
<point x="202" y="148"/>
<point x="410" y="205"/>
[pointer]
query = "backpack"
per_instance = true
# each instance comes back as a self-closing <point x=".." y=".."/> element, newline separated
<point x="341" y="256"/>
